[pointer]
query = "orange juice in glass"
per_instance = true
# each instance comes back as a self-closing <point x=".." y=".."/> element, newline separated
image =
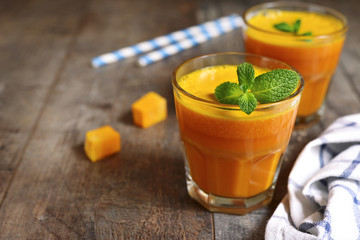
<point x="232" y="159"/>
<point x="313" y="49"/>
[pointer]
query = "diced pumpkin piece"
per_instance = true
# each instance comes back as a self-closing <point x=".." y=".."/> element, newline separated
<point x="102" y="142"/>
<point x="149" y="110"/>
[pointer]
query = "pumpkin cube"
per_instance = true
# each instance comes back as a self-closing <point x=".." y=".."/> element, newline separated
<point x="102" y="142"/>
<point x="149" y="110"/>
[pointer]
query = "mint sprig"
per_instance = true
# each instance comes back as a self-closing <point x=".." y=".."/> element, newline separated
<point x="228" y="93"/>
<point x="269" y="87"/>
<point x="246" y="76"/>
<point x="247" y="102"/>
<point x="275" y="85"/>
<point x="294" y="28"/>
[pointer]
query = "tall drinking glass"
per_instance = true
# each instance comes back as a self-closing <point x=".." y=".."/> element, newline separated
<point x="313" y="49"/>
<point x="232" y="159"/>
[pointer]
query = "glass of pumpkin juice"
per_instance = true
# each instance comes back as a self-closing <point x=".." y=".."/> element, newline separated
<point x="306" y="36"/>
<point x="232" y="159"/>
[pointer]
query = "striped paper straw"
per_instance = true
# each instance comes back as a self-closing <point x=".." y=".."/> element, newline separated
<point x="158" y="42"/>
<point x="208" y="31"/>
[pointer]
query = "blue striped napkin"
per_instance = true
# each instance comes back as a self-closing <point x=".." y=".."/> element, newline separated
<point x="323" y="199"/>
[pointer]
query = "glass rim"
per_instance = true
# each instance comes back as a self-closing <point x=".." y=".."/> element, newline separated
<point x="231" y="106"/>
<point x="313" y="7"/>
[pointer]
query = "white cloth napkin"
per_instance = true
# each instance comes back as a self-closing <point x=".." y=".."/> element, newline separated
<point x="323" y="199"/>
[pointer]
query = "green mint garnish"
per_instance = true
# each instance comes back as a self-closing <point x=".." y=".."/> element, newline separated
<point x="275" y="85"/>
<point x="283" y="27"/>
<point x="228" y="93"/>
<point x="306" y="34"/>
<point x="296" y="25"/>
<point x="247" y="102"/>
<point x="294" y="28"/>
<point x="269" y="87"/>
<point x="246" y="76"/>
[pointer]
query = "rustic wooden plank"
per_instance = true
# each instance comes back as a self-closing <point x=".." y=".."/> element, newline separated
<point x="33" y="44"/>
<point x="51" y="97"/>
<point x="139" y="193"/>
<point x="250" y="226"/>
<point x="349" y="63"/>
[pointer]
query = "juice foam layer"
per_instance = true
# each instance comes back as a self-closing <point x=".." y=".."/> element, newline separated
<point x="202" y="83"/>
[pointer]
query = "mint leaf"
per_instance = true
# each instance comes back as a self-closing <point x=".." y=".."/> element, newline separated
<point x="247" y="102"/>
<point x="296" y="26"/>
<point x="269" y="87"/>
<point x="283" y="27"/>
<point x="307" y="34"/>
<point x="275" y="85"/>
<point x="228" y="93"/>
<point x="246" y="75"/>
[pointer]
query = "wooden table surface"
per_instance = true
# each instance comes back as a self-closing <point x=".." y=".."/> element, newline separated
<point x="50" y="96"/>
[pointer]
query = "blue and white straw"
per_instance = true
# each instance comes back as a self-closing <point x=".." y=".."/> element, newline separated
<point x="206" y="32"/>
<point x="182" y="39"/>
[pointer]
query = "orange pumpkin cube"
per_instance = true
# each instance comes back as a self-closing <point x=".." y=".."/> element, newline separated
<point x="149" y="110"/>
<point x="102" y="142"/>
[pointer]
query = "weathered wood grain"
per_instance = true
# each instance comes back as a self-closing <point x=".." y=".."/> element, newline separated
<point x="33" y="44"/>
<point x="50" y="96"/>
<point x="137" y="194"/>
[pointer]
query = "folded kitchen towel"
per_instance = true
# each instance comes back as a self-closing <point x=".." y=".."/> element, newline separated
<point x="323" y="199"/>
